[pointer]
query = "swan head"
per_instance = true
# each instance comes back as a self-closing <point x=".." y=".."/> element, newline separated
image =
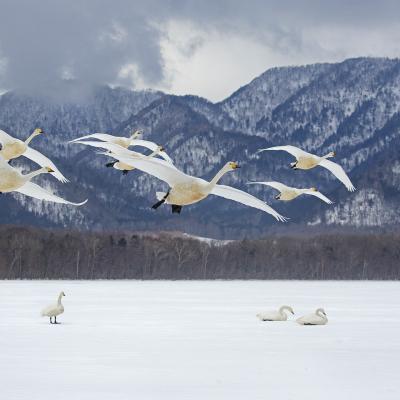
<point x="38" y="131"/>
<point x="160" y="148"/>
<point x="48" y="169"/>
<point x="313" y="189"/>
<point x="320" y="310"/>
<point x="291" y="310"/>
<point x="331" y="154"/>
<point x="136" y="133"/>
<point x="232" y="165"/>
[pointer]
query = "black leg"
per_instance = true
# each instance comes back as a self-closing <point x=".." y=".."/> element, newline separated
<point x="55" y="320"/>
<point x="51" y="320"/>
<point x="125" y="172"/>
<point x="9" y="162"/>
<point x="111" y="164"/>
<point x="176" y="209"/>
<point x="159" y="203"/>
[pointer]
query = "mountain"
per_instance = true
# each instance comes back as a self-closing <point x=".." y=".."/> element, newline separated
<point x="352" y="107"/>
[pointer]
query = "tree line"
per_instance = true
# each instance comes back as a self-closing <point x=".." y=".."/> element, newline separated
<point x="33" y="253"/>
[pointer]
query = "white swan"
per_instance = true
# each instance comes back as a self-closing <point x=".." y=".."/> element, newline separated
<point x="279" y="315"/>
<point x="13" y="148"/>
<point x="308" y="161"/>
<point x="125" y="168"/>
<point x="54" y="310"/>
<point x="11" y="180"/>
<point x="186" y="189"/>
<point x="318" y="318"/>
<point x="116" y="148"/>
<point x="288" y="193"/>
<point x="122" y="141"/>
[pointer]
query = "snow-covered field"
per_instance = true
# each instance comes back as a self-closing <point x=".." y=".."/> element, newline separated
<point x="199" y="340"/>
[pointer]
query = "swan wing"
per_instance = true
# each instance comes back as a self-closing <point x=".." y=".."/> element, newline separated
<point x="32" y="190"/>
<point x="151" y="146"/>
<point x="276" y="185"/>
<point x="161" y="169"/>
<point x="43" y="161"/>
<point x="247" y="199"/>
<point x="319" y="195"/>
<point x="101" y="136"/>
<point x="293" y="150"/>
<point x="112" y="147"/>
<point x="5" y="137"/>
<point x="338" y="171"/>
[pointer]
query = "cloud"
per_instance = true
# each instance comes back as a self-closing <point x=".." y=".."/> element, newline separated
<point x="64" y="48"/>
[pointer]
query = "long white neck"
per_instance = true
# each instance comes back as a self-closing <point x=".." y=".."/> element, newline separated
<point x="219" y="175"/>
<point x="154" y="153"/>
<point x="27" y="141"/>
<point x="59" y="299"/>
<point x="31" y="175"/>
<point x="282" y="310"/>
<point x="329" y="155"/>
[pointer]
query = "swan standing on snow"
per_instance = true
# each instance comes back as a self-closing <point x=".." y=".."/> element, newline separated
<point x="318" y="318"/>
<point x="54" y="309"/>
<point x="125" y="168"/>
<point x="306" y="160"/>
<point x="186" y="189"/>
<point x="13" y="148"/>
<point x="279" y="315"/>
<point x="122" y="141"/>
<point x="11" y="180"/>
<point x="288" y="193"/>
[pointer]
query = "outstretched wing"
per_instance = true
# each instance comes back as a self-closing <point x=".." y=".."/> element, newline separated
<point x="338" y="171"/>
<point x="247" y="199"/>
<point x="276" y="185"/>
<point x="32" y="190"/>
<point x="155" y="167"/>
<point x="293" y="150"/>
<point x="319" y="195"/>
<point x="101" y="136"/>
<point x="151" y="146"/>
<point x="43" y="161"/>
<point x="5" y="137"/>
<point x="115" y="148"/>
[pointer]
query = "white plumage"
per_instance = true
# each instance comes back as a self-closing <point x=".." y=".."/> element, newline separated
<point x="274" y="315"/>
<point x="54" y="310"/>
<point x="317" y="318"/>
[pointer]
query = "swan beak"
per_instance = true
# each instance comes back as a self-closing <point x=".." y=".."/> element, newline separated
<point x="292" y="312"/>
<point x="235" y="165"/>
<point x="162" y="148"/>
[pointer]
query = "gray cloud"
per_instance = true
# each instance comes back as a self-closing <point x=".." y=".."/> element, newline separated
<point x="57" y="46"/>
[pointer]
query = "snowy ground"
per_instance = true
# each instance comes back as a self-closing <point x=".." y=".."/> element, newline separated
<point x="199" y="340"/>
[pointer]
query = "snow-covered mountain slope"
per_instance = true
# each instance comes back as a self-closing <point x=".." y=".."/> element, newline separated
<point x="351" y="107"/>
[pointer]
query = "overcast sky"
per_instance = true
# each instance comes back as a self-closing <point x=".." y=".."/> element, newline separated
<point x="203" y="47"/>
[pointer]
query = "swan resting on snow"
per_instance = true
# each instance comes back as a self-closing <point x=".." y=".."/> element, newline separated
<point x="306" y="160"/>
<point x="13" y="148"/>
<point x="54" y="309"/>
<point x="288" y="193"/>
<point x="318" y="318"/>
<point x="279" y="315"/>
<point x="186" y="189"/>
<point x="11" y="180"/>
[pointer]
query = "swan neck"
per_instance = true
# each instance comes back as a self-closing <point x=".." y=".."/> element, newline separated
<point x="31" y="175"/>
<point x="27" y="141"/>
<point x="154" y="153"/>
<point x="59" y="299"/>
<point x="218" y="176"/>
<point x="329" y="155"/>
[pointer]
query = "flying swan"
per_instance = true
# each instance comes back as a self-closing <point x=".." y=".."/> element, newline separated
<point x="54" y="309"/>
<point x="288" y="193"/>
<point x="279" y="315"/>
<point x="14" y="148"/>
<point x="186" y="189"/>
<point x="125" y="168"/>
<point x="11" y="180"/>
<point x="122" y="141"/>
<point x="318" y="318"/>
<point x="116" y="148"/>
<point x="306" y="160"/>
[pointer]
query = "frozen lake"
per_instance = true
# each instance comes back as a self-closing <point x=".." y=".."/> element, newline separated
<point x="199" y="340"/>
